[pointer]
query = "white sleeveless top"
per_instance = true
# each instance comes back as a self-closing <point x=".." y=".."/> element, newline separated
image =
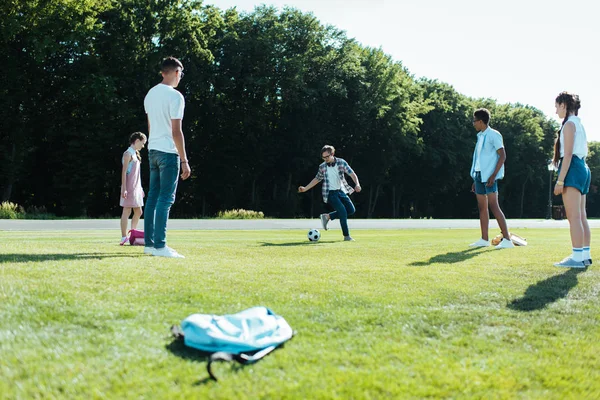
<point x="134" y="158"/>
<point x="580" y="148"/>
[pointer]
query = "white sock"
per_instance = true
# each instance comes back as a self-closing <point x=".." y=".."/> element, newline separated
<point x="586" y="253"/>
<point x="577" y="254"/>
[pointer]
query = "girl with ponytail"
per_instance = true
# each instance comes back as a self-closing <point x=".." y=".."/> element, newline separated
<point x="570" y="151"/>
<point x="132" y="194"/>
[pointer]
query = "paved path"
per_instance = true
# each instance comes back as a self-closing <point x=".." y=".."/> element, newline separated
<point x="269" y="224"/>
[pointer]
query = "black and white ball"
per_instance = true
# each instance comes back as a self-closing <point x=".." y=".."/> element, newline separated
<point x="314" y="235"/>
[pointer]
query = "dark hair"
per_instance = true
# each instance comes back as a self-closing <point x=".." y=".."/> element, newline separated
<point x="571" y="101"/>
<point x="137" y="136"/>
<point x="170" y="64"/>
<point x="482" y="114"/>
<point x="328" y="148"/>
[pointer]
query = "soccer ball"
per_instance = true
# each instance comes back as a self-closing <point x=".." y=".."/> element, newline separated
<point x="314" y="235"/>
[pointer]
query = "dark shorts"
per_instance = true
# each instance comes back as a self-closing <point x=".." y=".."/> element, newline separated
<point x="578" y="175"/>
<point x="481" y="188"/>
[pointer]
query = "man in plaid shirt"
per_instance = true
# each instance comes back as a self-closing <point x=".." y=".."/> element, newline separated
<point x="335" y="189"/>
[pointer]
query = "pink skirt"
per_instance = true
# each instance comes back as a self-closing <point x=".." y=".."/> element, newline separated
<point x="135" y="193"/>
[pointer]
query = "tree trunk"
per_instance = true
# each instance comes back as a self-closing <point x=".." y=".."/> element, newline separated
<point x="289" y="186"/>
<point x="523" y="196"/>
<point x="394" y="201"/>
<point x="370" y="201"/>
<point x="373" y="201"/>
<point x="10" y="176"/>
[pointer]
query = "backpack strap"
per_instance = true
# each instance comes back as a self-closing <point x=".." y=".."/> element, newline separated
<point x="218" y="356"/>
<point x="241" y="358"/>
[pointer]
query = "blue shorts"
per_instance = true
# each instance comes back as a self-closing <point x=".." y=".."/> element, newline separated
<point x="482" y="188"/>
<point x="578" y="175"/>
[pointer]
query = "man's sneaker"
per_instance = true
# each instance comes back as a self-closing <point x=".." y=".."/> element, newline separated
<point x="324" y="221"/>
<point x="587" y="262"/>
<point x="148" y="250"/>
<point x="570" y="263"/>
<point x="505" y="244"/>
<point x="348" y="239"/>
<point x="480" y="243"/>
<point x="167" y="252"/>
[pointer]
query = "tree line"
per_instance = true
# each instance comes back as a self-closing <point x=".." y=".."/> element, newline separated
<point x="264" y="91"/>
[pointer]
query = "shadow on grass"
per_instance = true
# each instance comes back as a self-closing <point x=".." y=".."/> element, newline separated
<point x="449" y="258"/>
<point x="303" y="243"/>
<point x="21" y="257"/>
<point x="542" y="293"/>
<point x="179" y="349"/>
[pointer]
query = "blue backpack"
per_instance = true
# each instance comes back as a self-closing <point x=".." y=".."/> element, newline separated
<point x="245" y="337"/>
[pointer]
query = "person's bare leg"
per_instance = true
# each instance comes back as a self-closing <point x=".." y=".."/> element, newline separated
<point x="484" y="215"/>
<point x="124" y="220"/>
<point x="498" y="214"/>
<point x="572" y="201"/>
<point x="137" y="213"/>
<point x="587" y="234"/>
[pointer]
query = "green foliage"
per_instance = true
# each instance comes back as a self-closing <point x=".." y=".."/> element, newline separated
<point x="410" y="314"/>
<point x="10" y="210"/>
<point x="264" y="91"/>
<point x="240" y="214"/>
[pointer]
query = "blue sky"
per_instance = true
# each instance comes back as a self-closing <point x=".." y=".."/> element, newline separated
<point x="524" y="51"/>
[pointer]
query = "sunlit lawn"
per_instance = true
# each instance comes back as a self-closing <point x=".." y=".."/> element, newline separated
<point x="396" y="314"/>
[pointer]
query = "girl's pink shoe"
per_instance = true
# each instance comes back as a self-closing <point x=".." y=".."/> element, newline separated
<point x="124" y="240"/>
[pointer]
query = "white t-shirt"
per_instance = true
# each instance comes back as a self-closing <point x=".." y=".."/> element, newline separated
<point x="162" y="104"/>
<point x="580" y="148"/>
<point x="333" y="177"/>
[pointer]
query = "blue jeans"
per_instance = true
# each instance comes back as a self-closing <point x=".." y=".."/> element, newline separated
<point x="164" y="172"/>
<point x="343" y="207"/>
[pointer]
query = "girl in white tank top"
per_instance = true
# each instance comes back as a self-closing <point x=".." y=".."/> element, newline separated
<point x="570" y="151"/>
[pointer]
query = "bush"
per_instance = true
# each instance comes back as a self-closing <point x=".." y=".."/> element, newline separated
<point x="34" y="212"/>
<point x="240" y="214"/>
<point x="10" y="210"/>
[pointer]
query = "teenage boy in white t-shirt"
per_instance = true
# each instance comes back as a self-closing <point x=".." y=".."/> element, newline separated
<point x="166" y="151"/>
<point x="487" y="168"/>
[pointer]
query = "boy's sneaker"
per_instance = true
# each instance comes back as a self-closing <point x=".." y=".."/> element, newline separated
<point x="348" y="239"/>
<point x="570" y="263"/>
<point x="148" y="250"/>
<point x="480" y="243"/>
<point x="324" y="221"/>
<point x="587" y="262"/>
<point x="167" y="252"/>
<point x="505" y="244"/>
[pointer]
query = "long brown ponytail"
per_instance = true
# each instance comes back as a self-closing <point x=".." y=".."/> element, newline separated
<point x="572" y="103"/>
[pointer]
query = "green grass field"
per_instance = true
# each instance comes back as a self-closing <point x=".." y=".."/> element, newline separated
<point x="396" y="314"/>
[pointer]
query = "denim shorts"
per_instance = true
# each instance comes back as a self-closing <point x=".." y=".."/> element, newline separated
<point x="578" y="175"/>
<point x="482" y="188"/>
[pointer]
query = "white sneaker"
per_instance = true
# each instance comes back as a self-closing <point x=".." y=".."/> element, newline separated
<point x="568" y="262"/>
<point x="480" y="243"/>
<point x="148" y="250"/>
<point x="167" y="252"/>
<point x="505" y="244"/>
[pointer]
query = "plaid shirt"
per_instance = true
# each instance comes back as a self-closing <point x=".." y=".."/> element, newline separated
<point x="342" y="167"/>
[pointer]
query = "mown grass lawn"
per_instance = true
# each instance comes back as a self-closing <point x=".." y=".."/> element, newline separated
<point x="396" y="314"/>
